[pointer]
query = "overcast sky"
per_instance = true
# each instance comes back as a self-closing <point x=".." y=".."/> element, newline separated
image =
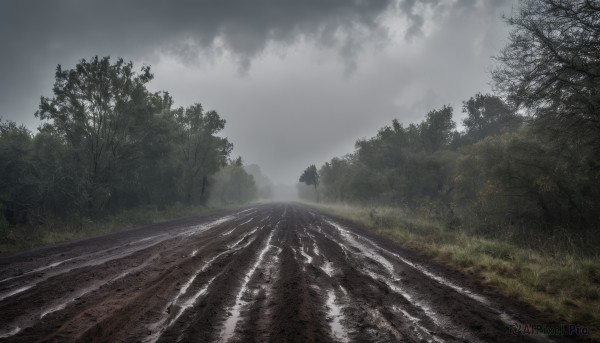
<point x="297" y="81"/>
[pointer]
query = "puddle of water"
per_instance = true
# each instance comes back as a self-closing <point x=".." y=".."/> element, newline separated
<point x="95" y="262"/>
<point x="421" y="331"/>
<point x="334" y="312"/>
<point x="15" y="292"/>
<point x="13" y="332"/>
<point x="363" y="249"/>
<point x="304" y="254"/>
<point x="52" y="265"/>
<point x="389" y="279"/>
<point x="394" y="287"/>
<point x="233" y="319"/>
<point x="315" y="247"/>
<point x="479" y="298"/>
<point x="244" y="237"/>
<point x="327" y="267"/>
<point x="54" y="309"/>
<point x="191" y="301"/>
<point x="87" y="290"/>
<point x="148" y="238"/>
<point x="203" y="227"/>
<point x="230" y="231"/>
<point x="381" y="322"/>
<point x="418" y="304"/>
<point x="161" y="325"/>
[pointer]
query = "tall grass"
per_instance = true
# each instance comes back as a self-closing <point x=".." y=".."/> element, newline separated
<point x="549" y="272"/>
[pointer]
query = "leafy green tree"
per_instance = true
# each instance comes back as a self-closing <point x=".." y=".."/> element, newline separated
<point x="436" y="130"/>
<point x="203" y="152"/>
<point x="19" y="192"/>
<point x="108" y="145"/>
<point x="93" y="108"/>
<point x="149" y="176"/>
<point x="521" y="178"/>
<point x="334" y="176"/>
<point x="310" y="176"/>
<point x="59" y="178"/>
<point x="488" y="115"/>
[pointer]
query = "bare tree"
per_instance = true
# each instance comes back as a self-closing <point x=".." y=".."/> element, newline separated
<point x="551" y="65"/>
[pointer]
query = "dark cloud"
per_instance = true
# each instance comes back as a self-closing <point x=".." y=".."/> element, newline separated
<point x="35" y="36"/>
<point x="283" y="110"/>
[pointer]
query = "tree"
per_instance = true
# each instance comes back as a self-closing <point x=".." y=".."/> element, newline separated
<point x="551" y="66"/>
<point x="487" y="115"/>
<point x="334" y="176"/>
<point x="522" y="178"/>
<point x="437" y="128"/>
<point x="233" y="184"/>
<point x="92" y="109"/>
<point x="108" y="145"/>
<point x="310" y="176"/>
<point x="203" y="152"/>
<point x="19" y="191"/>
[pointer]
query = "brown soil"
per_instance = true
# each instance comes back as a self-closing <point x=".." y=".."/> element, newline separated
<point x="271" y="273"/>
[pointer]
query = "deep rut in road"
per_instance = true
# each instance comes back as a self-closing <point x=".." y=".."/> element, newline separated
<point x="272" y="273"/>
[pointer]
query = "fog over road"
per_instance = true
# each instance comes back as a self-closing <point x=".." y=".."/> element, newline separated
<point x="269" y="273"/>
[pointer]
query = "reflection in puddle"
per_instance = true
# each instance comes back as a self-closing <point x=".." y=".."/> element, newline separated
<point x="335" y="313"/>
<point x="14" y="292"/>
<point x="233" y="319"/>
<point x="13" y="332"/>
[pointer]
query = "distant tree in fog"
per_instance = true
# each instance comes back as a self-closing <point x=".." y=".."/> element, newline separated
<point x="264" y="186"/>
<point x="310" y="176"/>
<point x="233" y="185"/>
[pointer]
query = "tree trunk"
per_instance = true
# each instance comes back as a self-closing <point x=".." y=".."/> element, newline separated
<point x="203" y="189"/>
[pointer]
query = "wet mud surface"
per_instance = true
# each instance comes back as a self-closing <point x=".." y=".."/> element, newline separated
<point x="268" y="273"/>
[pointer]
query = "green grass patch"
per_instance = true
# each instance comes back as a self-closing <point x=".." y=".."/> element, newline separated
<point x="558" y="281"/>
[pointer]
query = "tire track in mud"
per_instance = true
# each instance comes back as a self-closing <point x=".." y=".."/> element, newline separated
<point x="55" y="292"/>
<point x="271" y="273"/>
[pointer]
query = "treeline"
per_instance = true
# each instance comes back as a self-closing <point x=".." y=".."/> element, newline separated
<point x="527" y="157"/>
<point x="108" y="144"/>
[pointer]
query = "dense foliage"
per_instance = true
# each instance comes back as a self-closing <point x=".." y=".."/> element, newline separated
<point x="527" y="157"/>
<point x="310" y="177"/>
<point x="108" y="144"/>
<point x="492" y="175"/>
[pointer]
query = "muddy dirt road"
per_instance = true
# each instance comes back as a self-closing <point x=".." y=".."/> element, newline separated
<point x="269" y="273"/>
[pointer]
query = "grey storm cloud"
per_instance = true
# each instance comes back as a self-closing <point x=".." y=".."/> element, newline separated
<point x="185" y="27"/>
<point x="36" y="36"/>
<point x="343" y="65"/>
